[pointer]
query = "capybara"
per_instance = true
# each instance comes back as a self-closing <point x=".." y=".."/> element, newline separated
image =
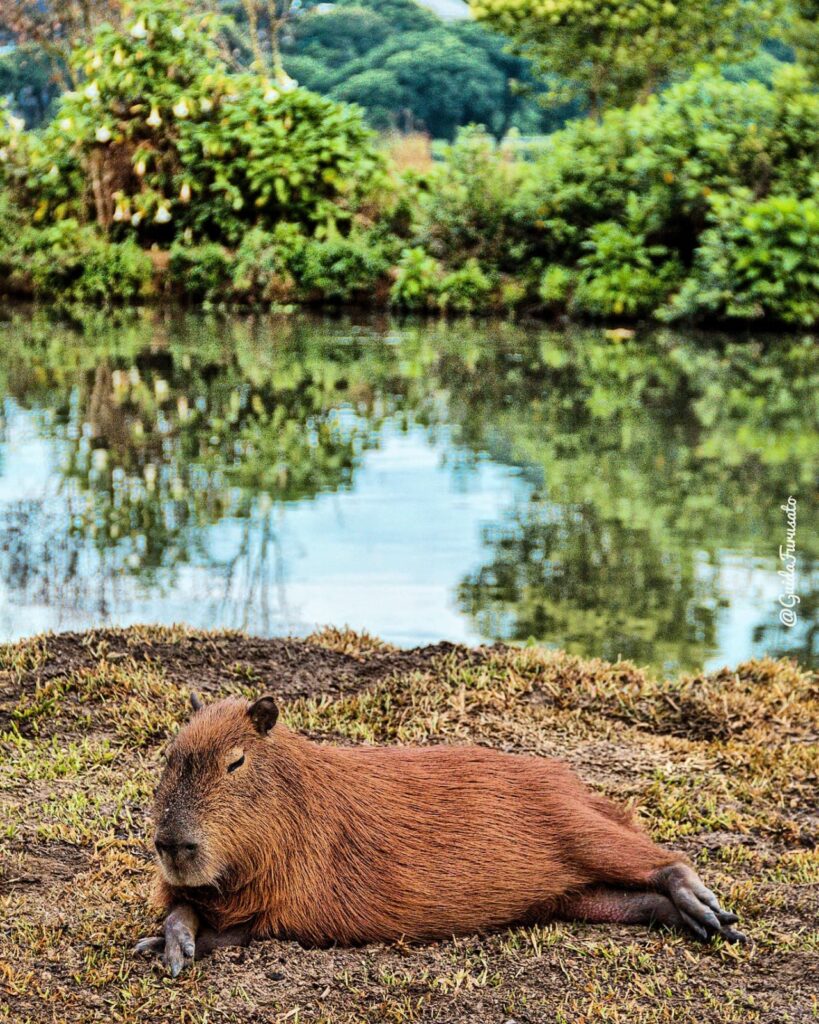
<point x="261" y="832"/>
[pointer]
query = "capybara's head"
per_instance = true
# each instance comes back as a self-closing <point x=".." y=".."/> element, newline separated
<point x="208" y="797"/>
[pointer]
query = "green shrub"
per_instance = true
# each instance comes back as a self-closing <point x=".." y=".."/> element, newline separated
<point x="556" y="285"/>
<point x="200" y="272"/>
<point x="660" y="161"/>
<point x="162" y="137"/>
<point x="466" y="290"/>
<point x="69" y="262"/>
<point x="11" y="225"/>
<point x="758" y="260"/>
<point x="342" y="269"/>
<point x="466" y="207"/>
<point x="417" y="281"/>
<point x="620" y="274"/>
<point x="513" y="294"/>
<point x="264" y="262"/>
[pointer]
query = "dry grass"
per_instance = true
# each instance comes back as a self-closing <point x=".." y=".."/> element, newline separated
<point x="725" y="766"/>
<point x="412" y="152"/>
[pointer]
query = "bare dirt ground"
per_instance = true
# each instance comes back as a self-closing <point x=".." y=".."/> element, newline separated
<point x="724" y="766"/>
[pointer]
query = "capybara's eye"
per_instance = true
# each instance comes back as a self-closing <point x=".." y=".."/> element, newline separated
<point x="237" y="760"/>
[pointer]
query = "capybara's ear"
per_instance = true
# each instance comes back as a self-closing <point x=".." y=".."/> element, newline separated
<point x="263" y="713"/>
<point x="196" y="701"/>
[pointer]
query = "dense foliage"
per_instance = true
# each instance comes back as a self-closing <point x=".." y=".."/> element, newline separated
<point x="167" y="172"/>
<point x="616" y="52"/>
<point x="161" y="137"/>
<point x="411" y="71"/>
<point x="700" y="202"/>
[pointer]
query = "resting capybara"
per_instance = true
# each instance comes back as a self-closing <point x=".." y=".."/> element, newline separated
<point x="261" y="833"/>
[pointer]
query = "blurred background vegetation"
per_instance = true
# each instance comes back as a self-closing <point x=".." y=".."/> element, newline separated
<point x="656" y="159"/>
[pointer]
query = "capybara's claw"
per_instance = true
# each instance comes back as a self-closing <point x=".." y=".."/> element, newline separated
<point x="698" y="907"/>
<point x="177" y="947"/>
<point x="180" y="946"/>
<point x="150" y="944"/>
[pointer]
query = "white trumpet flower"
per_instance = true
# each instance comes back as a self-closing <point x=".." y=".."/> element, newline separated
<point x="154" y="120"/>
<point x="181" y="108"/>
<point x="103" y="133"/>
<point x="92" y="91"/>
<point x="138" y="30"/>
<point x="285" y="82"/>
<point x="163" y="215"/>
<point x="185" y="193"/>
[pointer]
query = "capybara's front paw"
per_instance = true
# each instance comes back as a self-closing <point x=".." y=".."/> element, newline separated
<point x="177" y="946"/>
<point x="698" y="907"/>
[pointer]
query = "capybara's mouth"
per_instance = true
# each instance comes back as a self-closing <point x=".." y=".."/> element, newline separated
<point x="189" y="875"/>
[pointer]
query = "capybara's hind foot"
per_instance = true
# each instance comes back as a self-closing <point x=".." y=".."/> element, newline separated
<point x="698" y="907"/>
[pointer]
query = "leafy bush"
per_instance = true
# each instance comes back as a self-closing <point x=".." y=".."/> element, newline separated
<point x="657" y="164"/>
<point x="466" y="206"/>
<point x="466" y="290"/>
<point x="342" y="269"/>
<point x="621" y="274"/>
<point x="757" y="260"/>
<point x="200" y="271"/>
<point x="262" y="267"/>
<point x="556" y="286"/>
<point x="72" y="263"/>
<point x="168" y="138"/>
<point x="417" y="281"/>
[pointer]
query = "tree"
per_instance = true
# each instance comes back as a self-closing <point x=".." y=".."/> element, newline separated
<point x="410" y="70"/>
<point x="27" y="79"/>
<point x="802" y="32"/>
<point x="57" y="26"/>
<point x="620" y="52"/>
<point x="164" y="139"/>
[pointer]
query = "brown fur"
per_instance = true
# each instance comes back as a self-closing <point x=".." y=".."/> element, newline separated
<point x="329" y="844"/>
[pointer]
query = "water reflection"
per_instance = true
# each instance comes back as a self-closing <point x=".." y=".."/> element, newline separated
<point x="615" y="498"/>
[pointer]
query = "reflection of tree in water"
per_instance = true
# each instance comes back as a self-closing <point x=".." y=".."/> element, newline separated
<point x="569" y="576"/>
<point x="654" y="461"/>
<point x="161" y="442"/>
<point x="647" y="461"/>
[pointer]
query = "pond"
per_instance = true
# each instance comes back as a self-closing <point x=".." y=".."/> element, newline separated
<point x="468" y="481"/>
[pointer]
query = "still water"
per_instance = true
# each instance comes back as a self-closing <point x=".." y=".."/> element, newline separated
<point x="465" y="481"/>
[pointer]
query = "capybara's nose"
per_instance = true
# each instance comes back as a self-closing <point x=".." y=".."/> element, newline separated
<point x="175" y="848"/>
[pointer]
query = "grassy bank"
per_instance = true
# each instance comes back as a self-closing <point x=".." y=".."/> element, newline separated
<point x="723" y="766"/>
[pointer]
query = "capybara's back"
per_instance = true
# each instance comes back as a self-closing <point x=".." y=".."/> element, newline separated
<point x="261" y="829"/>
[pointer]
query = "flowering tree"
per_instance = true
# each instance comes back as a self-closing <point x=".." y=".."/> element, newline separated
<point x="161" y="136"/>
